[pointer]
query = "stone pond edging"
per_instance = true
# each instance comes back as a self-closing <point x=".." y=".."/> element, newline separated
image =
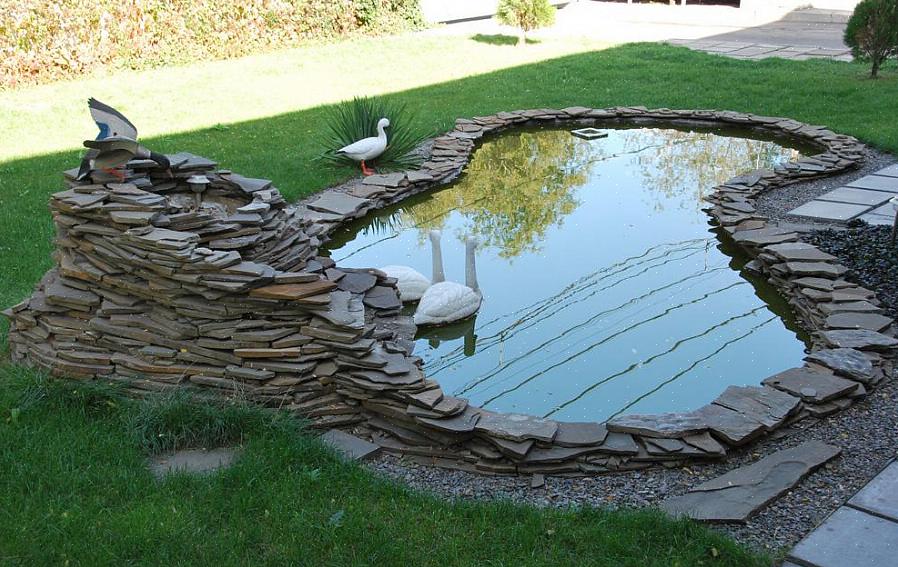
<point x="232" y="300"/>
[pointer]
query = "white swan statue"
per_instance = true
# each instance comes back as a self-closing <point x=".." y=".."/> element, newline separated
<point x="368" y="148"/>
<point x="411" y="283"/>
<point x="448" y="302"/>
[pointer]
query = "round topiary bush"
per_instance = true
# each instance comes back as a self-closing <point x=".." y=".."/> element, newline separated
<point x="872" y="32"/>
<point x="526" y="15"/>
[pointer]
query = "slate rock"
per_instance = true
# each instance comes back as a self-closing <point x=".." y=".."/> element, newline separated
<point x="812" y="386"/>
<point x="350" y="446"/>
<point x="357" y="282"/>
<point x="579" y="434"/>
<point x="382" y="297"/>
<point x="461" y="423"/>
<point x="800" y="251"/>
<point x="862" y="339"/>
<point x="845" y="361"/>
<point x="869" y="321"/>
<point x="516" y="427"/>
<point x="337" y="203"/>
<point x="619" y="444"/>
<point x="736" y="495"/>
<point x="733" y="427"/>
<point x="667" y="425"/>
<point x="768" y="406"/>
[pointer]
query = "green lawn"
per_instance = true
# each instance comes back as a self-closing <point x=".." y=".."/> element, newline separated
<point x="75" y="490"/>
<point x="74" y="487"/>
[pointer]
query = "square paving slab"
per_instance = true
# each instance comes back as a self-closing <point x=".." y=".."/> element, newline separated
<point x="877" y="220"/>
<point x="829" y="210"/>
<point x="891" y="171"/>
<point x="856" y="196"/>
<point x="880" y="496"/>
<point x="849" y="538"/>
<point x="877" y="183"/>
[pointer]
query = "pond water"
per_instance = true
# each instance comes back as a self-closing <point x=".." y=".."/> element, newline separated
<point x="606" y="288"/>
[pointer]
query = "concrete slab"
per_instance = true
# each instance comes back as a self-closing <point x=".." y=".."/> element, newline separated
<point x="891" y="171"/>
<point x="856" y="196"/>
<point x="829" y="210"/>
<point x="350" y="446"/>
<point x="192" y="461"/>
<point x="849" y="538"/>
<point x="877" y="220"/>
<point x="887" y="210"/>
<point x="877" y="183"/>
<point x="752" y="51"/>
<point x="880" y="496"/>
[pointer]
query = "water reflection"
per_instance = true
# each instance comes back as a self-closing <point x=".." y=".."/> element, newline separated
<point x="605" y="290"/>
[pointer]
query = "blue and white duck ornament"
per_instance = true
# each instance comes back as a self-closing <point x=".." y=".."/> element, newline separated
<point x="367" y="149"/>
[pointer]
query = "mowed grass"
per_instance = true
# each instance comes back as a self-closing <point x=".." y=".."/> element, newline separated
<point x="75" y="490"/>
<point x="74" y="485"/>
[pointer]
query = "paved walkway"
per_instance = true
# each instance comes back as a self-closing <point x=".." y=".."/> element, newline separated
<point x="866" y="198"/>
<point x="744" y="50"/>
<point x="862" y="533"/>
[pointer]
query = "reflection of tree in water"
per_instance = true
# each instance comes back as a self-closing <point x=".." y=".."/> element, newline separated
<point x="514" y="189"/>
<point x="687" y="165"/>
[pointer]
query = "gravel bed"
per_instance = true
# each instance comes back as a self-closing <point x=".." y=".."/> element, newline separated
<point x="777" y="203"/>
<point x="870" y="256"/>
<point x="867" y="432"/>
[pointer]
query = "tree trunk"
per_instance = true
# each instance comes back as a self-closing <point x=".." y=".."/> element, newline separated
<point x="874" y="72"/>
<point x="522" y="39"/>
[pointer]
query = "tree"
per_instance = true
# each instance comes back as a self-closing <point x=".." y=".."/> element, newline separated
<point x="526" y="15"/>
<point x="872" y="32"/>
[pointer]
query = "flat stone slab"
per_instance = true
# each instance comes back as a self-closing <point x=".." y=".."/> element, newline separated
<point x="768" y="406"/>
<point x="858" y="338"/>
<point x="663" y="425"/>
<point x="849" y="538"/>
<point x="880" y="496"/>
<point x="869" y="321"/>
<point x="337" y="203"/>
<point x="350" y="446"/>
<point x="578" y="434"/>
<point x="876" y="182"/>
<point x="811" y="386"/>
<point x="844" y="361"/>
<point x="799" y="252"/>
<point x="829" y="210"/>
<point x="736" y="495"/>
<point x="200" y="461"/>
<point x="516" y="427"/>
<point x="856" y="196"/>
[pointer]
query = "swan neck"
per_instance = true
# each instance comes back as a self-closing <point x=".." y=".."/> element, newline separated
<point x="437" y="254"/>
<point x="471" y="269"/>
<point x="380" y="132"/>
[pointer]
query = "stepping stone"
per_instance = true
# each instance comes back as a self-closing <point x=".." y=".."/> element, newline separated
<point x="811" y="386"/>
<point x="877" y="220"/>
<point x="856" y="196"/>
<point x="736" y="495"/>
<point x="891" y="171"/>
<point x="192" y="461"/>
<point x="828" y="210"/>
<point x="849" y="538"/>
<point x="350" y="446"/>
<point x="877" y="183"/>
<point x="337" y="203"/>
<point x="880" y="496"/>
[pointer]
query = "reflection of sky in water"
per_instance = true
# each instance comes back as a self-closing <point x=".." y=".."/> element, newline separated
<point x="604" y="290"/>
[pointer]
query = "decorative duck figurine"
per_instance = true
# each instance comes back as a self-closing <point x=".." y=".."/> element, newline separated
<point x="448" y="302"/>
<point x="411" y="283"/>
<point x="113" y="125"/>
<point x="367" y="148"/>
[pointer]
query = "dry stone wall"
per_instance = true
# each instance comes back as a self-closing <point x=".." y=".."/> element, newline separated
<point x="206" y="279"/>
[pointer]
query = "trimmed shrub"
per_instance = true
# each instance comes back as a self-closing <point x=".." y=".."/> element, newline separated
<point x="526" y="15"/>
<point x="872" y="32"/>
<point x="43" y="40"/>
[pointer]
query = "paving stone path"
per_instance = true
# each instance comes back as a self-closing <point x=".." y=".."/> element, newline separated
<point x="746" y="50"/>
<point x="866" y="198"/>
<point x="862" y="533"/>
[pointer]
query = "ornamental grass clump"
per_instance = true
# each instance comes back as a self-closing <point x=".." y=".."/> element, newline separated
<point x="872" y="32"/>
<point x="355" y="119"/>
<point x="527" y="15"/>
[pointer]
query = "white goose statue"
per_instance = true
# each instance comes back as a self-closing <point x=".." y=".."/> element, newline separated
<point x="448" y="302"/>
<point x="368" y="148"/>
<point x="411" y="283"/>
